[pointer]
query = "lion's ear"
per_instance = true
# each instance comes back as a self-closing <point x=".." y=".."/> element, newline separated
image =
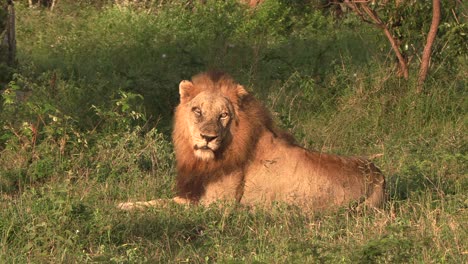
<point x="185" y="91"/>
<point x="241" y="92"/>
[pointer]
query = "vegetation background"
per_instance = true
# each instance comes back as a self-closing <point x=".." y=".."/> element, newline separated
<point x="85" y="122"/>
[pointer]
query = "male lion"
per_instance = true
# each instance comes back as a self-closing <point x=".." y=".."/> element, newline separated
<point x="227" y="148"/>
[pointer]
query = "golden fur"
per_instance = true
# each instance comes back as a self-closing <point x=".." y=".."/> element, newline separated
<point x="227" y="148"/>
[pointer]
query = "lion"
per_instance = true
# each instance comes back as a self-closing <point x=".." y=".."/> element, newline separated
<point x="228" y="148"/>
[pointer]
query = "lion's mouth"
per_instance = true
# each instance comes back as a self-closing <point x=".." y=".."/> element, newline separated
<point x="202" y="147"/>
<point x="204" y="152"/>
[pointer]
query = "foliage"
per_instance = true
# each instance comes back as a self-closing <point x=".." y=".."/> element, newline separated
<point x="85" y="123"/>
<point x="410" y="20"/>
<point x="409" y="23"/>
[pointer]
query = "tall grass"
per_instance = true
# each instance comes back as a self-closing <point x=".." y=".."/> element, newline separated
<point x="85" y="125"/>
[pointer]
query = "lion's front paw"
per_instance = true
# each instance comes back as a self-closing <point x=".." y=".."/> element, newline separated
<point x="129" y="206"/>
<point x="158" y="203"/>
<point x="126" y="206"/>
<point x="180" y="200"/>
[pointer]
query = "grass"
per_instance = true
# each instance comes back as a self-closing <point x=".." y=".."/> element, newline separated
<point x="93" y="130"/>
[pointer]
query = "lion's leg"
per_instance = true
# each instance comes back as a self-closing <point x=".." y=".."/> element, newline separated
<point x="228" y="188"/>
<point x="377" y="198"/>
<point x="158" y="203"/>
<point x="180" y="200"/>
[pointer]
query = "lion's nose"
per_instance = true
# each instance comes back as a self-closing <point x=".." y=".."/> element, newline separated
<point x="208" y="138"/>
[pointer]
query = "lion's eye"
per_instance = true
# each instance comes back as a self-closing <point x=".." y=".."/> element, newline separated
<point x="197" y="111"/>
<point x="224" y="115"/>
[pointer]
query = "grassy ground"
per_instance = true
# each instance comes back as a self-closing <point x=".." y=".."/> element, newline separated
<point x="85" y="124"/>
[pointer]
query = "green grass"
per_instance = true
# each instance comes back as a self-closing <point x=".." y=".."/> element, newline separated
<point x="93" y="130"/>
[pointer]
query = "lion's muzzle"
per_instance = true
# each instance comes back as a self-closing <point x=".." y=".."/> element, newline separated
<point x="206" y="144"/>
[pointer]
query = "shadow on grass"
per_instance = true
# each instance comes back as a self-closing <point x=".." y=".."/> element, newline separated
<point x="167" y="232"/>
<point x="402" y="187"/>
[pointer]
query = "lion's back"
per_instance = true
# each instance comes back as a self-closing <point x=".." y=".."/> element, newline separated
<point x="282" y="171"/>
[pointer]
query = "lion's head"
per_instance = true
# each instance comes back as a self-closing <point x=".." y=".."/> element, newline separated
<point x="216" y="127"/>
<point x="209" y="121"/>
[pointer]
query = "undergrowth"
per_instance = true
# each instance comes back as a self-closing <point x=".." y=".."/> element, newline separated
<point x="85" y="124"/>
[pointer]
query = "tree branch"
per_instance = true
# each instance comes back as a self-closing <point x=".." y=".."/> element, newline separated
<point x="426" y="58"/>
<point x="362" y="9"/>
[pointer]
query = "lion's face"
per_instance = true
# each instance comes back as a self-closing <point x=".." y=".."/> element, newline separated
<point x="209" y="121"/>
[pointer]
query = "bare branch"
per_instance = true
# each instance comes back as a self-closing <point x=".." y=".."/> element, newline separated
<point x="426" y="58"/>
<point x="362" y="9"/>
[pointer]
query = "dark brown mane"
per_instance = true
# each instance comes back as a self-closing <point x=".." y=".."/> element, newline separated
<point x="251" y="119"/>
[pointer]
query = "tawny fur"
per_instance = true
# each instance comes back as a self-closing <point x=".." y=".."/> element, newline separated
<point x="248" y="160"/>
